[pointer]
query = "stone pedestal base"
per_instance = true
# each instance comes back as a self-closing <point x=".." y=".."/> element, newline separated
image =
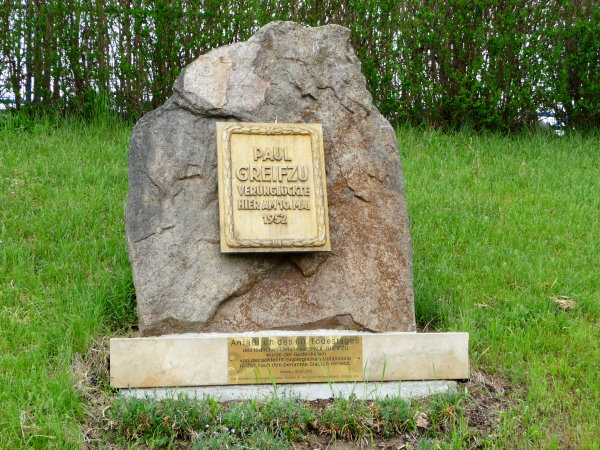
<point x="309" y="391"/>
<point x="196" y="360"/>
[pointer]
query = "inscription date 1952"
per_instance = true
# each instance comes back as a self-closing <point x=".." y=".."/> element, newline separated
<point x="277" y="219"/>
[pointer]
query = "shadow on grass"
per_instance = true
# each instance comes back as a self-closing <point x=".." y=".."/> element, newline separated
<point x="430" y="309"/>
<point x="119" y="303"/>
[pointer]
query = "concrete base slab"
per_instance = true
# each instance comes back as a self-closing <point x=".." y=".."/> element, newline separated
<point x="310" y="391"/>
<point x="207" y="359"/>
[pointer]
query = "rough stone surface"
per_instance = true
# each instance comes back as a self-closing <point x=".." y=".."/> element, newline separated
<point x="284" y="73"/>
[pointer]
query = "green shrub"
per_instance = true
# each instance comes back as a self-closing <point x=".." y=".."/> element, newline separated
<point x="493" y="65"/>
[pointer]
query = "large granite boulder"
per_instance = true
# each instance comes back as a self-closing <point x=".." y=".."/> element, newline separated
<point x="285" y="73"/>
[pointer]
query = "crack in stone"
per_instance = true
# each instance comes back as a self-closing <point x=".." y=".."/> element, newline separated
<point x="375" y="177"/>
<point x="170" y="325"/>
<point x="190" y="177"/>
<point x="357" y="195"/>
<point x="154" y="183"/>
<point x="144" y="238"/>
<point x="337" y="322"/>
<point x="335" y="94"/>
<point x="346" y="183"/>
<point x="180" y="99"/>
<point x="246" y="287"/>
<point x="209" y="240"/>
<point x="161" y="230"/>
<point x="311" y="265"/>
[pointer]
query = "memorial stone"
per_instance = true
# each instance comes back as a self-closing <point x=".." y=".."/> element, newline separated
<point x="331" y="252"/>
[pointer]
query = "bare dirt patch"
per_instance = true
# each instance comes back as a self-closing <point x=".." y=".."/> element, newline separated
<point x="488" y="397"/>
<point x="92" y="381"/>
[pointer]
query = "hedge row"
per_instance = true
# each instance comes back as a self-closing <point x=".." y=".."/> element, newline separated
<point x="487" y="63"/>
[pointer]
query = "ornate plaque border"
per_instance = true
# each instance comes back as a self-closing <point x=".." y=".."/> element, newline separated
<point x="231" y="237"/>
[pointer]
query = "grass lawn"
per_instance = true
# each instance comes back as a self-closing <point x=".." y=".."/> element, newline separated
<point x="506" y="236"/>
<point x="505" y="230"/>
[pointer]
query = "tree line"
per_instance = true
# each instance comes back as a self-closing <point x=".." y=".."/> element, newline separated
<point x="486" y="63"/>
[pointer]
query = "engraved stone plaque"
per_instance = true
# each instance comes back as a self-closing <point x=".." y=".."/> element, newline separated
<point x="272" y="191"/>
<point x="294" y="359"/>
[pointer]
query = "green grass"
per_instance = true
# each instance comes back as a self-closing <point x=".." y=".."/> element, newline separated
<point x="502" y="227"/>
<point x="180" y="419"/>
<point x="64" y="275"/>
<point x="279" y="422"/>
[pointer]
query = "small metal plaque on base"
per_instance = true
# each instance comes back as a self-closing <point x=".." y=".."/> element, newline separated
<point x="294" y="359"/>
